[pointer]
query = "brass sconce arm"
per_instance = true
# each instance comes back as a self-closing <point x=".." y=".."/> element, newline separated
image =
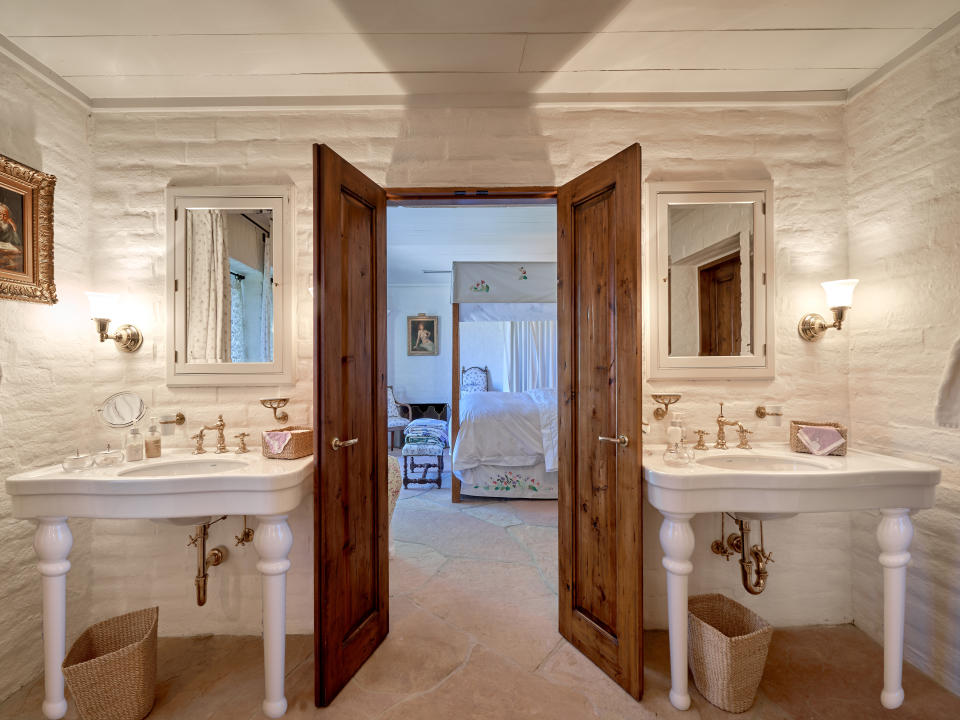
<point x="127" y="337"/>
<point x="813" y="327"/>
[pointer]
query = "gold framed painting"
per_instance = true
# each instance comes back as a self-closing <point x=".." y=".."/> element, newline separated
<point x="26" y="233"/>
<point x="423" y="334"/>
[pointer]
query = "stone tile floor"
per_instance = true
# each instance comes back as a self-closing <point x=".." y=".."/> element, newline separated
<point x="473" y="635"/>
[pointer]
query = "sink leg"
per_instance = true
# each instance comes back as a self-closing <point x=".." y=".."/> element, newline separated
<point x="676" y="539"/>
<point x="894" y="535"/>
<point x="273" y="540"/>
<point x="52" y="543"/>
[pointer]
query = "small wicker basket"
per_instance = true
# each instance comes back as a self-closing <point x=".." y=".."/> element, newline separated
<point x="728" y="650"/>
<point x="797" y="446"/>
<point x="300" y="444"/>
<point x="111" y="668"/>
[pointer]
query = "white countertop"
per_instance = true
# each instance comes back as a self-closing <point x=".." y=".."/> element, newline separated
<point x="858" y="480"/>
<point x="259" y="486"/>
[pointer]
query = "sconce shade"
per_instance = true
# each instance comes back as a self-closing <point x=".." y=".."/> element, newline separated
<point x="102" y="305"/>
<point x="839" y="292"/>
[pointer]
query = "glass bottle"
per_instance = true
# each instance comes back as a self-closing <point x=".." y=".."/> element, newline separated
<point x="133" y="447"/>
<point x="152" y="440"/>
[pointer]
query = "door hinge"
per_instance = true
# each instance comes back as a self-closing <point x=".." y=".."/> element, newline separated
<point x="764" y="349"/>
<point x="176" y="356"/>
<point x="763" y="207"/>
<point x="176" y="284"/>
<point x="176" y="214"/>
<point x="764" y="281"/>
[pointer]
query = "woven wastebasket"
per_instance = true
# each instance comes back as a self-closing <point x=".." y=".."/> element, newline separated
<point x="111" y="669"/>
<point x="728" y="648"/>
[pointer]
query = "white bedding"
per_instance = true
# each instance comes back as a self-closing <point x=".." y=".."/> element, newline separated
<point x="507" y="429"/>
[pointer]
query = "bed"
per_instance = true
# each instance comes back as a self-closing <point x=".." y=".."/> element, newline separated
<point x="507" y="444"/>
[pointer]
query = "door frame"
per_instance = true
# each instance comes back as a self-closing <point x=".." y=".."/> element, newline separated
<point x="475" y="197"/>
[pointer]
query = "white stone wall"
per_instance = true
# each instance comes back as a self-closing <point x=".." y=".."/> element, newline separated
<point x="800" y="147"/>
<point x="46" y="360"/>
<point x="904" y="215"/>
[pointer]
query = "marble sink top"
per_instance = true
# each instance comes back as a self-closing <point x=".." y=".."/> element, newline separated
<point x="772" y="479"/>
<point x="177" y="485"/>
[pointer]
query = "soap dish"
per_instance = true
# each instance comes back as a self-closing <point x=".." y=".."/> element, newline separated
<point x="797" y="446"/>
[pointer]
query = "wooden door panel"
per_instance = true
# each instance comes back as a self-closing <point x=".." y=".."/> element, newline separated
<point x="720" y="317"/>
<point x="598" y="226"/>
<point x="350" y="386"/>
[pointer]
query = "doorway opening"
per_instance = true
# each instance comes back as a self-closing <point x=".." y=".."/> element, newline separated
<point x="472" y="403"/>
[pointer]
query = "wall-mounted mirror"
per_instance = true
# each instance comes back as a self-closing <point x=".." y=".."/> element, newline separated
<point x="230" y="279"/>
<point x="711" y="280"/>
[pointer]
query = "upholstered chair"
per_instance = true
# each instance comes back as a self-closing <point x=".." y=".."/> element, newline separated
<point x="396" y="419"/>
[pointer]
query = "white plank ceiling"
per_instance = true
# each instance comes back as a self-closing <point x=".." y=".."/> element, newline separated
<point x="117" y="49"/>
<point x="423" y="238"/>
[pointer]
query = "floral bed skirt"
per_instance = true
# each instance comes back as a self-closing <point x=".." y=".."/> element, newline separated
<point x="532" y="482"/>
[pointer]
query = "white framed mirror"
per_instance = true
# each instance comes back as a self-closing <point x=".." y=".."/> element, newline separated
<point x="230" y="283"/>
<point x="711" y="280"/>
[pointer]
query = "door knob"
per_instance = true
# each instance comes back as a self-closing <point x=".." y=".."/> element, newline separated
<point x="336" y="443"/>
<point x="620" y="440"/>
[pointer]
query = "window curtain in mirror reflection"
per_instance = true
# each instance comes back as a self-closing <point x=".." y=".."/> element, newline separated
<point x="208" y="288"/>
<point x="238" y="353"/>
<point x="266" y="301"/>
<point x="531" y="355"/>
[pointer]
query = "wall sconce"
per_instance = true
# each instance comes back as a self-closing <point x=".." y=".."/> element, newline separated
<point x="812" y="327"/>
<point x="102" y="306"/>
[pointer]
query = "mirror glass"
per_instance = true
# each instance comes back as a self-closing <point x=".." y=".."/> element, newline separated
<point x="710" y="279"/>
<point x="122" y="410"/>
<point x="229" y="285"/>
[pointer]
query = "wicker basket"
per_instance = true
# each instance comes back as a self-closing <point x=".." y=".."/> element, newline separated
<point x="111" y="668"/>
<point x="797" y="446"/>
<point x="728" y="649"/>
<point x="300" y="444"/>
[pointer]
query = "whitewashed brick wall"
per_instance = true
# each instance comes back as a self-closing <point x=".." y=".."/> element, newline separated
<point x="800" y="147"/>
<point x="46" y="355"/>
<point x="904" y="220"/>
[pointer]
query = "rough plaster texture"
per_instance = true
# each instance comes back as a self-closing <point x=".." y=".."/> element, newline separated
<point x="135" y="156"/>
<point x="800" y="147"/>
<point x="46" y="358"/>
<point x="904" y="212"/>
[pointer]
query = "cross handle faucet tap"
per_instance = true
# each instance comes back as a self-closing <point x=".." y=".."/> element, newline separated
<point x="722" y="422"/>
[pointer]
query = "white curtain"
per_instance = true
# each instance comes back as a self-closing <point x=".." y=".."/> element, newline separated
<point x="266" y="302"/>
<point x="238" y="349"/>
<point x="208" y="287"/>
<point x="531" y="355"/>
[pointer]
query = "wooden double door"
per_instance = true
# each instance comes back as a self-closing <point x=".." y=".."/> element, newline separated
<point x="598" y="303"/>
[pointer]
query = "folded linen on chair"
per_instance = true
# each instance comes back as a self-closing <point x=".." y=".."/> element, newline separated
<point x="947" y="413"/>
<point x="426" y="430"/>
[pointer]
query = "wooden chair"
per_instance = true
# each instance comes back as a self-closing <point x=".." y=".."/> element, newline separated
<point x="474" y="379"/>
<point x="395" y="418"/>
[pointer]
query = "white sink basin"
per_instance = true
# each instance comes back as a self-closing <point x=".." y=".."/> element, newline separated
<point x="183" y="468"/>
<point x="760" y="463"/>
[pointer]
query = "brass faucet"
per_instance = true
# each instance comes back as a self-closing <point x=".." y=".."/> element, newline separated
<point x="221" y="439"/>
<point x="722" y="422"/>
<point x="198" y="450"/>
<point x="744" y="440"/>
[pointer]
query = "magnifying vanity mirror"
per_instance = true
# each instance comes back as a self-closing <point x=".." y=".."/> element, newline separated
<point x="122" y="410"/>
<point x="711" y="280"/>
<point x="230" y="279"/>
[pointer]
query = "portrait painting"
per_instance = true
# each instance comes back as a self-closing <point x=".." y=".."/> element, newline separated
<point x="26" y="233"/>
<point x="422" y="334"/>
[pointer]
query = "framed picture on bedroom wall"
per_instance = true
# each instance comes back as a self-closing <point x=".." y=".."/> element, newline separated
<point x="26" y="233"/>
<point x="423" y="334"/>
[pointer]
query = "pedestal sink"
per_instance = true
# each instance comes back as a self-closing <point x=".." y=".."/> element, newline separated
<point x="770" y="482"/>
<point x="184" y="488"/>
